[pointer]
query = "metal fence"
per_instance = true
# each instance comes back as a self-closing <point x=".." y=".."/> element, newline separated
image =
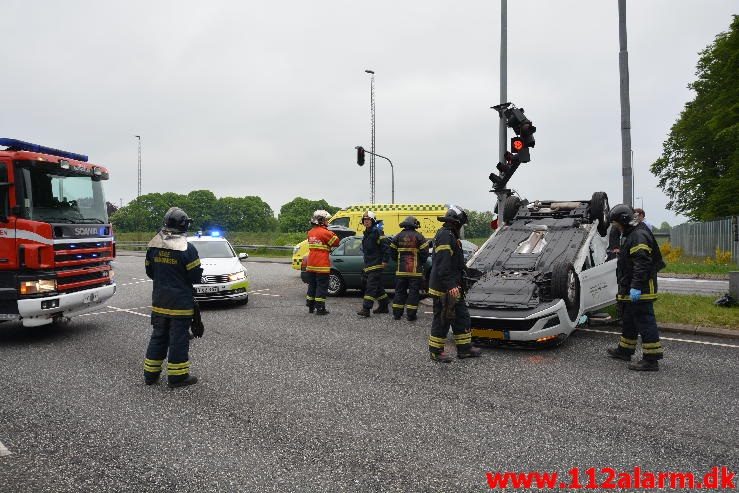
<point x="141" y="245"/>
<point x="702" y="239"/>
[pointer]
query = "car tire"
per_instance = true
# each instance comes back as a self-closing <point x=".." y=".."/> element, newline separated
<point x="599" y="209"/>
<point x="566" y="285"/>
<point x="336" y="284"/>
<point x="243" y="301"/>
<point x="510" y="208"/>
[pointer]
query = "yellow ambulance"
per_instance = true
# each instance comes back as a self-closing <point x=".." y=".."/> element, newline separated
<point x="391" y="216"/>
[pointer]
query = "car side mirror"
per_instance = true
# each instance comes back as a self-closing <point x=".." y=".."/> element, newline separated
<point x="243" y="256"/>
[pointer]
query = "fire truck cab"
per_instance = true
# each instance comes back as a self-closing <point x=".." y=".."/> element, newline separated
<point x="56" y="242"/>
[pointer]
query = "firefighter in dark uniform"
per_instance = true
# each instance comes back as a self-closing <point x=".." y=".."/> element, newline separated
<point x="411" y="251"/>
<point x="376" y="255"/>
<point x="639" y="260"/>
<point x="320" y="243"/>
<point x="446" y="288"/>
<point x="174" y="266"/>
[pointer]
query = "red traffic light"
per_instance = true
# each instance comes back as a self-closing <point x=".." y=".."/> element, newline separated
<point x="517" y="144"/>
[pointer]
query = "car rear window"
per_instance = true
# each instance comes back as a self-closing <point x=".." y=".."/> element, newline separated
<point x="213" y="249"/>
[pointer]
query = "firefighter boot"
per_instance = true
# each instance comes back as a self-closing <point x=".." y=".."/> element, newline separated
<point x="397" y="314"/>
<point x="311" y="306"/>
<point x="617" y="353"/>
<point x="150" y="378"/>
<point x="645" y="365"/>
<point x="441" y="357"/>
<point x="321" y="310"/>
<point x="411" y="315"/>
<point x="190" y="380"/>
<point x="472" y="352"/>
<point x="364" y="312"/>
<point x="382" y="308"/>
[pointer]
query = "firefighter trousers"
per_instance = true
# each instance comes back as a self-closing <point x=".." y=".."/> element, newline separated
<point x="374" y="291"/>
<point x="317" y="290"/>
<point x="639" y="319"/>
<point x="406" y="295"/>
<point x="169" y="339"/>
<point x="460" y="327"/>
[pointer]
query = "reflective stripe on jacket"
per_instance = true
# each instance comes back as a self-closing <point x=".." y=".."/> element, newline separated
<point x="410" y="250"/>
<point x="447" y="262"/>
<point x="173" y="272"/>
<point x="320" y="243"/>
<point x="374" y="249"/>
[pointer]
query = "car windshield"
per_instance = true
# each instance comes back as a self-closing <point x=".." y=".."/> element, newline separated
<point x="340" y="221"/>
<point x="213" y="249"/>
<point x="58" y="196"/>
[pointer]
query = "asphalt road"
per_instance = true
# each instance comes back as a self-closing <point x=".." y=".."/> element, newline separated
<point x="294" y="402"/>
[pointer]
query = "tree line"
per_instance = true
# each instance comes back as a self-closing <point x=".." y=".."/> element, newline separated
<point x="249" y="214"/>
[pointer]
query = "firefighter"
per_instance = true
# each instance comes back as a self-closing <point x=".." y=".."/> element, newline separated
<point x="411" y="250"/>
<point x="174" y="266"/>
<point x="376" y="254"/>
<point x="320" y="243"/>
<point x="446" y="288"/>
<point x="639" y="260"/>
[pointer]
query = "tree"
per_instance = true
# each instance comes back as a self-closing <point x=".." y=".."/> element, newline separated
<point x="200" y="207"/>
<point x="665" y="227"/>
<point x="699" y="166"/>
<point x="244" y="214"/>
<point x="295" y="215"/>
<point x="478" y="224"/>
<point x="111" y="208"/>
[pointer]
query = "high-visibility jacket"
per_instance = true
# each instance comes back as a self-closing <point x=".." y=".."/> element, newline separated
<point x="639" y="260"/>
<point x="374" y="249"/>
<point x="173" y="272"/>
<point x="320" y="243"/>
<point x="447" y="263"/>
<point x="411" y="250"/>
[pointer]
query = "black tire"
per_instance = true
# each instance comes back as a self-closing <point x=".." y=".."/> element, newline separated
<point x="510" y="208"/>
<point x="336" y="284"/>
<point x="599" y="209"/>
<point x="243" y="301"/>
<point x="566" y="285"/>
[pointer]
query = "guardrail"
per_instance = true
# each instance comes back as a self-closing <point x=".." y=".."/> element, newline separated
<point x="141" y="245"/>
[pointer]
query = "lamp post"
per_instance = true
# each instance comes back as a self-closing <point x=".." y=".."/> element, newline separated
<point x="372" y="130"/>
<point x="642" y="201"/>
<point x="139" y="189"/>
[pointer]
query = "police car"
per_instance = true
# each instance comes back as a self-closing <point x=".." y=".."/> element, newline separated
<point x="224" y="276"/>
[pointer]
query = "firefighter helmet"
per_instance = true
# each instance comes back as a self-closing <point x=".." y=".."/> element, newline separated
<point x="623" y="215"/>
<point x="455" y="215"/>
<point x="176" y="220"/>
<point x="320" y="217"/>
<point x="370" y="215"/>
<point x="410" y="222"/>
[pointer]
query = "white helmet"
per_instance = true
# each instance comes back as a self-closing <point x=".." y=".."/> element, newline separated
<point x="371" y="215"/>
<point x="320" y="217"/>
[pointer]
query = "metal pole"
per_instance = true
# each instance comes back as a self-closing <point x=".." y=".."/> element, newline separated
<point x="139" y="189"/>
<point x="372" y="144"/>
<point x="623" y="68"/>
<point x="392" y="171"/>
<point x="502" y="130"/>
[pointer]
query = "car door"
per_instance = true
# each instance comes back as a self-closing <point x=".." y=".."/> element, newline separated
<point x="598" y="287"/>
<point x="351" y="263"/>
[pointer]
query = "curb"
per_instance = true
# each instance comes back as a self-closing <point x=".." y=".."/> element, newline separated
<point x="690" y="330"/>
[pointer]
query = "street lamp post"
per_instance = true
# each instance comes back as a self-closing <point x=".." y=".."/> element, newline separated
<point x="139" y="189"/>
<point x="372" y="127"/>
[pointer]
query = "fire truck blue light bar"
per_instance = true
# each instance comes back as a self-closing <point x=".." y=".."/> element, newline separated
<point x="19" y="145"/>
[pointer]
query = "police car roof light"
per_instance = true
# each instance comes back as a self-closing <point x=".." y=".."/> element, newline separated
<point x="215" y="234"/>
<point x="19" y="145"/>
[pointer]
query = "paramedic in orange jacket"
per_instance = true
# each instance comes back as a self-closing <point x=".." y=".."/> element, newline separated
<point x="320" y="243"/>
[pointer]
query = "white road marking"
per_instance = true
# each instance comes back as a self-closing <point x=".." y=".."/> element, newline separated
<point x="137" y="282"/>
<point x="129" y="311"/>
<point x="3" y="450"/>
<point x="706" y="343"/>
<point x="112" y="311"/>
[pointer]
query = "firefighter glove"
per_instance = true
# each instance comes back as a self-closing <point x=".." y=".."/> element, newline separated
<point x="635" y="295"/>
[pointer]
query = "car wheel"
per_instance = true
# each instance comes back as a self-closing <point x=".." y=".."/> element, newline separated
<point x="510" y="208"/>
<point x="599" y="209"/>
<point x="566" y="285"/>
<point x="336" y="285"/>
<point x="243" y="301"/>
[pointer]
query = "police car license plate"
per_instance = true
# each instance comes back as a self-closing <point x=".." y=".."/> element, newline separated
<point x="488" y="334"/>
<point x="207" y="289"/>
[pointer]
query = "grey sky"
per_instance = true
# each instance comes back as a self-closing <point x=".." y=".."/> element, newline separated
<point x="270" y="98"/>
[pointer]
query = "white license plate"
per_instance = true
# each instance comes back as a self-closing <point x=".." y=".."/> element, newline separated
<point x="89" y="298"/>
<point x="207" y="289"/>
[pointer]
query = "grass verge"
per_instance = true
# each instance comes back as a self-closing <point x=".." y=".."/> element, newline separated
<point x="697" y="266"/>
<point x="691" y="309"/>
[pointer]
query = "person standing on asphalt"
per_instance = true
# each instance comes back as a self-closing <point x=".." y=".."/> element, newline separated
<point x="446" y="287"/>
<point x="320" y="243"/>
<point x="639" y="260"/>
<point x="174" y="266"/>
<point x="411" y="251"/>
<point x="375" y="251"/>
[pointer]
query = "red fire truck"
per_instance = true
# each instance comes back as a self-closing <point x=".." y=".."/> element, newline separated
<point x="56" y="243"/>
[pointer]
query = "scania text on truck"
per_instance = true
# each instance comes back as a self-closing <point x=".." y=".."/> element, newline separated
<point x="56" y="243"/>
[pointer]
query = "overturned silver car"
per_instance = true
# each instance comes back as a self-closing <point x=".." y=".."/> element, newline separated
<point x="539" y="273"/>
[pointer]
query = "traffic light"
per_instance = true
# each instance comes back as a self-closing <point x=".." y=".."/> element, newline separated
<point x="360" y="155"/>
<point x="520" y="150"/>
<point x="527" y="132"/>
